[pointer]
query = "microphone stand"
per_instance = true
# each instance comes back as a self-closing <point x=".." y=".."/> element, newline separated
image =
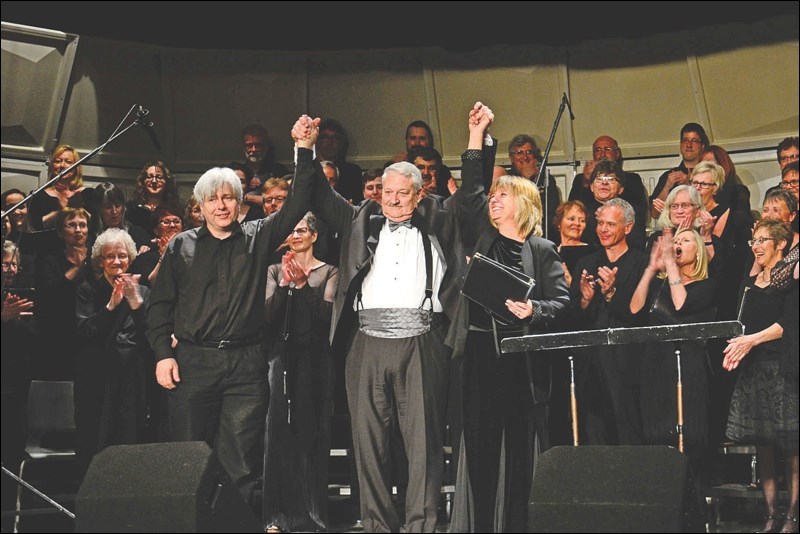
<point x="59" y="507"/>
<point x="544" y="182"/>
<point x="116" y="133"/>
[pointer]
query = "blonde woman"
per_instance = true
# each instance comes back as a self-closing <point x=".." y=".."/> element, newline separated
<point x="675" y="289"/>
<point x="66" y="192"/>
<point x="504" y="408"/>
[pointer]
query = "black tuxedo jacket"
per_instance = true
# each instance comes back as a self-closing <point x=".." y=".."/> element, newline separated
<point x="359" y="227"/>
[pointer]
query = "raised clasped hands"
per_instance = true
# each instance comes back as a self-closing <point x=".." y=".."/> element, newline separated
<point x="305" y="131"/>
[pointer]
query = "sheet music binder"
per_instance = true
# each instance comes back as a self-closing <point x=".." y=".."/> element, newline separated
<point x="489" y="283"/>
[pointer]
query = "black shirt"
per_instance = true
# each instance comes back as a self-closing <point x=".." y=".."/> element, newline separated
<point x="662" y="180"/>
<point x="210" y="289"/>
<point x="616" y="313"/>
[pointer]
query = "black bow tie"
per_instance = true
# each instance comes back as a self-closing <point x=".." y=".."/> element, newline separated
<point x="395" y="225"/>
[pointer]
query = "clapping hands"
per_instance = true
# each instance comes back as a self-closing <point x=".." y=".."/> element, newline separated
<point x="126" y="286"/>
<point x="292" y="271"/>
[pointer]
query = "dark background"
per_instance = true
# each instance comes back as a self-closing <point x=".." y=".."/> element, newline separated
<point x="452" y="25"/>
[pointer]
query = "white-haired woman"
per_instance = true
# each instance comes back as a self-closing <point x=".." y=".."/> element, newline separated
<point x="114" y="361"/>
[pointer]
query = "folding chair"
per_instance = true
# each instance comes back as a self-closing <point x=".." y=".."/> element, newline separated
<point x="51" y="431"/>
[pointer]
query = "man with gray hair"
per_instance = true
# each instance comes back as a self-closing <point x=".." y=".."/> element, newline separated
<point x="400" y="272"/>
<point x="602" y="288"/>
<point x="210" y="295"/>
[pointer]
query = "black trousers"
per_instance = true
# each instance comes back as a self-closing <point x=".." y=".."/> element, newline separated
<point x="501" y="427"/>
<point x="222" y="400"/>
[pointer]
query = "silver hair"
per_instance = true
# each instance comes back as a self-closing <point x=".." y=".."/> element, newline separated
<point x="311" y="221"/>
<point x="664" y="221"/>
<point x="112" y="236"/>
<point x="404" y="168"/>
<point x="215" y="179"/>
<point x="9" y="247"/>
<point x="628" y="214"/>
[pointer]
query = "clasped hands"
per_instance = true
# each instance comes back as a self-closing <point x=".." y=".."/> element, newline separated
<point x="305" y="131"/>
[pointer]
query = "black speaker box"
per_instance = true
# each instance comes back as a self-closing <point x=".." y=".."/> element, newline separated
<point x="612" y="489"/>
<point x="160" y="487"/>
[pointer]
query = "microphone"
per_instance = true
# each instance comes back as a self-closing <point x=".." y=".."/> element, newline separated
<point x="571" y="114"/>
<point x="147" y="124"/>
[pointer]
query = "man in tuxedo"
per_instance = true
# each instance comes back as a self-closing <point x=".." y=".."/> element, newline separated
<point x="397" y="363"/>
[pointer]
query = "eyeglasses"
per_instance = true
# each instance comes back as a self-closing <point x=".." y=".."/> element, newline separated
<point x="121" y="257"/>
<point x="170" y="222"/>
<point x="789" y="183"/>
<point x="759" y="241"/>
<point x="300" y="231"/>
<point x="276" y="200"/>
<point x="682" y="206"/>
<point x="602" y="149"/>
<point x="605" y="179"/>
<point x="690" y="141"/>
<point x="8" y="265"/>
<point x="75" y="226"/>
<point x="702" y="185"/>
<point x="521" y="152"/>
<point x="789" y="157"/>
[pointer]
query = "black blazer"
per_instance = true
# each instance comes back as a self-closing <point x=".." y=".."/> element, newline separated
<point x="540" y="261"/>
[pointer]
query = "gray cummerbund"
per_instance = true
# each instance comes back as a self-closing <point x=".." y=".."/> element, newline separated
<point x="397" y="322"/>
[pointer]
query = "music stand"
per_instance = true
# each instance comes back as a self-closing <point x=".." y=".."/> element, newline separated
<point x="624" y="336"/>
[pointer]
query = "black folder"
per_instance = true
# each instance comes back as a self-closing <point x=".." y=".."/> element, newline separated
<point x="489" y="283"/>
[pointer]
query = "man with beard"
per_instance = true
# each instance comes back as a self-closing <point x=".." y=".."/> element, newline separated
<point x="259" y="157"/>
